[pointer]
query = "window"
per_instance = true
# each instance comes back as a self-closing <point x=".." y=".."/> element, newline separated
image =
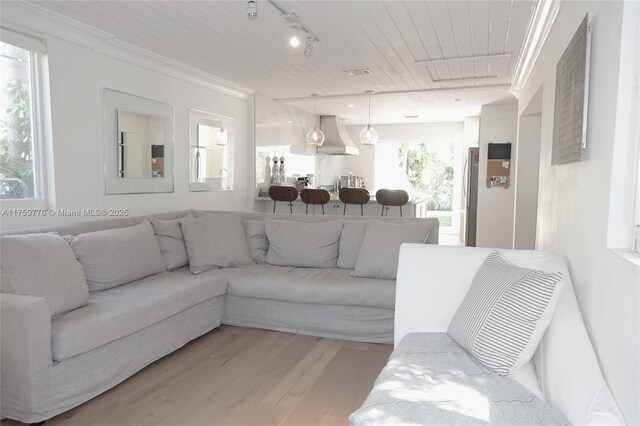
<point x="20" y="171"/>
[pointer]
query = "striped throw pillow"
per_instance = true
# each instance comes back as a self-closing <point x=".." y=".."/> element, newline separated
<point x="505" y="313"/>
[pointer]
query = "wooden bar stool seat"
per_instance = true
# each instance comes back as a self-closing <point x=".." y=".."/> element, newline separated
<point x="358" y="196"/>
<point x="286" y="194"/>
<point x="314" y="197"/>
<point x="392" y="197"/>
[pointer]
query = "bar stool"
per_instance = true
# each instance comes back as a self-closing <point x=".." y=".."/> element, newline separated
<point x="392" y="197"/>
<point x="314" y="197"/>
<point x="283" y="193"/>
<point x="354" y="196"/>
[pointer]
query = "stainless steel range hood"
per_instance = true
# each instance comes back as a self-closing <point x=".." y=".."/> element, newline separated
<point x="336" y="138"/>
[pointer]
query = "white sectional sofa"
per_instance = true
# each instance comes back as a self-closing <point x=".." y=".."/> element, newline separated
<point x="52" y="362"/>
<point x="430" y="379"/>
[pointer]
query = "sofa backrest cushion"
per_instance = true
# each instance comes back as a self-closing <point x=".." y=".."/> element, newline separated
<point x="350" y="243"/>
<point x="257" y="239"/>
<point x="306" y="245"/>
<point x="215" y="241"/>
<point x="43" y="265"/>
<point x="378" y="255"/>
<point x="117" y="256"/>
<point x="505" y="313"/>
<point x="171" y="242"/>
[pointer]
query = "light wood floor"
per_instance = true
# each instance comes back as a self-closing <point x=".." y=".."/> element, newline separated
<point x="240" y="376"/>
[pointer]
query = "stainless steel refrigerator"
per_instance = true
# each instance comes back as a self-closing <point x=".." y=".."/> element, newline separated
<point x="471" y="196"/>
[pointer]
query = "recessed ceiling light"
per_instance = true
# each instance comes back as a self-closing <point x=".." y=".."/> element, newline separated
<point x="289" y="121"/>
<point x="350" y="106"/>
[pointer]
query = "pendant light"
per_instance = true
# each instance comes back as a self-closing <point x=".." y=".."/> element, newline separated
<point x="315" y="136"/>
<point x="369" y="135"/>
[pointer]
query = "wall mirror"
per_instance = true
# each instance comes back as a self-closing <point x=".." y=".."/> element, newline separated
<point x="210" y="152"/>
<point x="138" y="144"/>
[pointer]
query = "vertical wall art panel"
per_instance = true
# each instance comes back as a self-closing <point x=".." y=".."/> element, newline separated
<point x="572" y="95"/>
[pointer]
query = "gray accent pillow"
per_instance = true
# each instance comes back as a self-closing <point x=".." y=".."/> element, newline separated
<point x="303" y="244"/>
<point x="171" y="242"/>
<point x="215" y="241"/>
<point x="118" y="256"/>
<point x="257" y="239"/>
<point x="505" y="313"/>
<point x="350" y="242"/>
<point x="43" y="265"/>
<point x="378" y="256"/>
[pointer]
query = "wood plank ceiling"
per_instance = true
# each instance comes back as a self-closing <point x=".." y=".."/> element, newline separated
<point x="386" y="37"/>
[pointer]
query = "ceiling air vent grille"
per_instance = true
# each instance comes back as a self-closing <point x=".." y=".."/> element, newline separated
<point x="357" y="72"/>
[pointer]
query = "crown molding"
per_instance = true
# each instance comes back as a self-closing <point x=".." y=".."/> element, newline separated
<point x="542" y="20"/>
<point x="33" y="20"/>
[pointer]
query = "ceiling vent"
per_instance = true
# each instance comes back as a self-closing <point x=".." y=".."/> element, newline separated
<point x="411" y="116"/>
<point x="357" y="72"/>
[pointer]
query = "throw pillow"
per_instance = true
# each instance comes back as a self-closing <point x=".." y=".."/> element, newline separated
<point x="215" y="241"/>
<point x="257" y="239"/>
<point x="171" y="242"/>
<point x="303" y="244"/>
<point x="378" y="256"/>
<point x="118" y="256"/>
<point x="350" y="243"/>
<point x="505" y="313"/>
<point x="43" y="265"/>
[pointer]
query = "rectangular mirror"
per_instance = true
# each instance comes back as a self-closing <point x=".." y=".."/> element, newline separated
<point x="138" y="141"/>
<point x="211" y="152"/>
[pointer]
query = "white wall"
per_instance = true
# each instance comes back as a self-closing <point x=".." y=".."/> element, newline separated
<point x="527" y="156"/>
<point x="77" y="75"/>
<point x="364" y="164"/>
<point x="498" y="124"/>
<point x="573" y="201"/>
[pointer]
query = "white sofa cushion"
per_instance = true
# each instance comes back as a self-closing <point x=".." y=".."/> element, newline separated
<point x="114" y="257"/>
<point x="120" y="311"/>
<point x="257" y="239"/>
<point x="431" y="380"/>
<point x="320" y="286"/>
<point x="171" y="242"/>
<point x="215" y="241"/>
<point x="307" y="245"/>
<point x="43" y="265"/>
<point x="378" y="256"/>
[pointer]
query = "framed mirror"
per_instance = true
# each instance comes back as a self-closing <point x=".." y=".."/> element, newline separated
<point x="138" y="144"/>
<point x="211" y="144"/>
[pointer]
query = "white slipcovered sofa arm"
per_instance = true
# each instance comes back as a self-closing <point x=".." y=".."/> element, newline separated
<point x="25" y="348"/>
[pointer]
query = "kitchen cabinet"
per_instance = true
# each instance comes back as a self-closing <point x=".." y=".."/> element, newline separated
<point x="335" y="208"/>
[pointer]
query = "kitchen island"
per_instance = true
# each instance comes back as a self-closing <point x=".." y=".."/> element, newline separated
<point x="414" y="208"/>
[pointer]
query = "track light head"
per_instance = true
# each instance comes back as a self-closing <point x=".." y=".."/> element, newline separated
<point x="294" y="41"/>
<point x="308" y="47"/>
<point x="252" y="9"/>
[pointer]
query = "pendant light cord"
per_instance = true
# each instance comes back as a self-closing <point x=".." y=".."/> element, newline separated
<point x="369" y="123"/>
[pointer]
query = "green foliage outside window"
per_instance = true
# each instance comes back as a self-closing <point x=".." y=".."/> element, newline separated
<point x="16" y="140"/>
<point x="430" y="173"/>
